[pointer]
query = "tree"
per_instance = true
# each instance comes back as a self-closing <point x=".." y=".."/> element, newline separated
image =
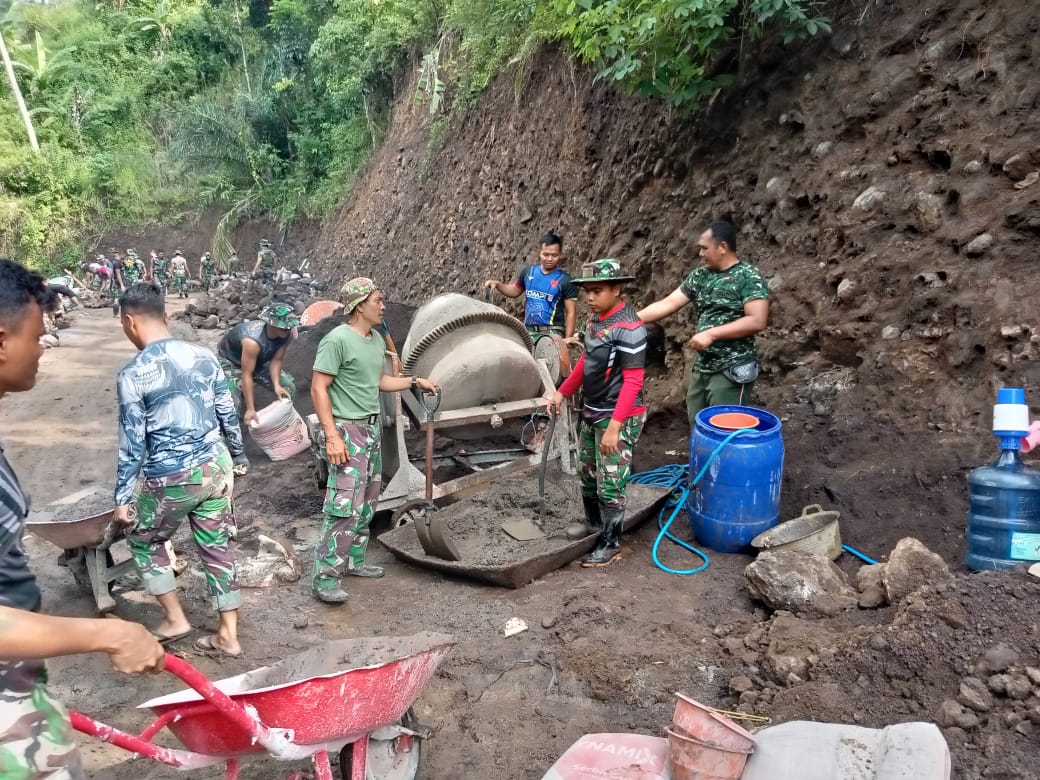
<point x="5" y="6"/>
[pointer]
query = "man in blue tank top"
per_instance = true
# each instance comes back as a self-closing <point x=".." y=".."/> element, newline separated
<point x="550" y="295"/>
<point x="251" y="353"/>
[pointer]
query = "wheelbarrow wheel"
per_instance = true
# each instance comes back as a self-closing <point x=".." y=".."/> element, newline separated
<point x="76" y="561"/>
<point x="385" y="761"/>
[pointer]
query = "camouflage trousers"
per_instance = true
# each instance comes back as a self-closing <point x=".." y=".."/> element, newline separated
<point x="162" y="281"/>
<point x="262" y="377"/>
<point x="203" y="495"/>
<point x="36" y="738"/>
<point x="180" y="284"/>
<point x="606" y="476"/>
<point x="350" y="502"/>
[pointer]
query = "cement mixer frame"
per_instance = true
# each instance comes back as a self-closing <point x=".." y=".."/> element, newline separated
<point x="404" y="491"/>
<point x="405" y="481"/>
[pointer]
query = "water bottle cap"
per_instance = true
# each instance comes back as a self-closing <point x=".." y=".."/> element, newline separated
<point x="1011" y="395"/>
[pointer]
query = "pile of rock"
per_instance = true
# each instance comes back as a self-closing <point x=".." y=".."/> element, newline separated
<point x="235" y="300"/>
<point x="1002" y="688"/>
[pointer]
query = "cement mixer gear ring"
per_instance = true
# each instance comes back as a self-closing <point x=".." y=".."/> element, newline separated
<point x="465" y="320"/>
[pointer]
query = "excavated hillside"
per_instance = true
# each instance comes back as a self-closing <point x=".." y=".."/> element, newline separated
<point x="883" y="178"/>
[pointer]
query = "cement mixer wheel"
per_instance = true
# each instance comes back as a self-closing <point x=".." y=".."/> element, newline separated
<point x="410" y="512"/>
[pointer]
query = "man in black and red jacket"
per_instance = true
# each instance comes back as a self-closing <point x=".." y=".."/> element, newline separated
<point x="610" y="374"/>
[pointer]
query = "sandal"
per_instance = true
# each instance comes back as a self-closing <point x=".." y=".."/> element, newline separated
<point x="207" y="645"/>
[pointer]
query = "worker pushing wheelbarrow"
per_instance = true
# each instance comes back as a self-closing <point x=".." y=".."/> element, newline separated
<point x="350" y="695"/>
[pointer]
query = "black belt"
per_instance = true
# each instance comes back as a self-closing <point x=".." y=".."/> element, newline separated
<point x="372" y="419"/>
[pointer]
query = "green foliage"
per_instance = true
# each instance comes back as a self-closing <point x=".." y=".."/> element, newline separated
<point x="667" y="48"/>
<point x="148" y="109"/>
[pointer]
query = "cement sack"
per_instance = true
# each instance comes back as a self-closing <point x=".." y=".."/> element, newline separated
<point x="280" y="431"/>
<point x="803" y="750"/>
<point x="614" y="756"/>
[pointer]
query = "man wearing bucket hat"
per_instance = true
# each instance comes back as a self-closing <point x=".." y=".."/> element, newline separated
<point x="610" y="374"/>
<point x="732" y="302"/>
<point x="251" y="353"/>
<point x="348" y="377"/>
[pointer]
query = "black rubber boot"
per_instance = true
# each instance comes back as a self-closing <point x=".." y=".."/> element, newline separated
<point x="608" y="547"/>
<point x="593" y="522"/>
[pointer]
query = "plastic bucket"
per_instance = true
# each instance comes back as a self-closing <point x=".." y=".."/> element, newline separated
<point x="739" y="495"/>
<point x="705" y="725"/>
<point x="691" y="759"/>
<point x="814" y="531"/>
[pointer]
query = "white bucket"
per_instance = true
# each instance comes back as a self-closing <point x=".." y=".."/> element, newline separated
<point x="280" y="431"/>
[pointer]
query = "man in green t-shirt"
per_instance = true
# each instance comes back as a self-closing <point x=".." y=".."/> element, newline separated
<point x="732" y="302"/>
<point x="348" y="375"/>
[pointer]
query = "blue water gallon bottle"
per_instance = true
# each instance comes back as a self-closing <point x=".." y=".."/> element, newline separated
<point x="1004" y="497"/>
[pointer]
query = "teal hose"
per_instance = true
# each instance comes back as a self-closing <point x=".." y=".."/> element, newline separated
<point x="674" y="478"/>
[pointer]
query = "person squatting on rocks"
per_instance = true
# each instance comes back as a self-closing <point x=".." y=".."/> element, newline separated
<point x="550" y="297"/>
<point x="610" y="374"/>
<point x="175" y="412"/>
<point x="251" y="353"/>
<point x="348" y="376"/>
<point x="732" y="302"/>
<point x="181" y="273"/>
<point x="36" y="738"/>
<point x="265" y="262"/>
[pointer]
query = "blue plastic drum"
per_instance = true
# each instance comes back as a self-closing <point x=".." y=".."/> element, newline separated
<point x="739" y="495"/>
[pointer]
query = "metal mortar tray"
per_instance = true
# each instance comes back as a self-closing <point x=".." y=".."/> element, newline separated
<point x="643" y="502"/>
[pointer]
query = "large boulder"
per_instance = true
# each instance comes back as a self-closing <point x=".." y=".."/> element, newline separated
<point x="912" y="566"/>
<point x="801" y="582"/>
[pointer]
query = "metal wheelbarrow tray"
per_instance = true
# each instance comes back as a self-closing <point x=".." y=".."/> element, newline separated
<point x="85" y="542"/>
<point x="340" y="693"/>
<point x="643" y="502"/>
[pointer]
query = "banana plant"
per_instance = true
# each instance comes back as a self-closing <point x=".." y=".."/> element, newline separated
<point x="5" y="55"/>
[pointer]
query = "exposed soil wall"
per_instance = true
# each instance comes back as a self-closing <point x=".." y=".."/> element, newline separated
<point x="872" y="176"/>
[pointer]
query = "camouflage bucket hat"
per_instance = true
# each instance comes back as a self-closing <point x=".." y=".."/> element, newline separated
<point x="355" y="291"/>
<point x="264" y="242"/>
<point x="607" y="270"/>
<point x="280" y="316"/>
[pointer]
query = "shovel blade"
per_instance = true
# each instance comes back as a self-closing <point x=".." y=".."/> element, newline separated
<point x="523" y="530"/>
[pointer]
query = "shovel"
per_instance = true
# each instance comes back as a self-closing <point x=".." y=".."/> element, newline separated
<point x="528" y="530"/>
<point x="431" y="530"/>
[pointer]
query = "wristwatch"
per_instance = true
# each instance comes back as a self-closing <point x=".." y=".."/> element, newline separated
<point x="415" y="382"/>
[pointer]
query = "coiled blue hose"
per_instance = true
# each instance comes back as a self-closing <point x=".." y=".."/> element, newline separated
<point x="674" y="477"/>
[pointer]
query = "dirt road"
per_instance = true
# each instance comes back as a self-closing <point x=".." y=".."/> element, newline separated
<point x="605" y="649"/>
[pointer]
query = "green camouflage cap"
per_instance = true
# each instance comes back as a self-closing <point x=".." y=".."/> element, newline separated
<point x="355" y="291"/>
<point x="608" y="270"/>
<point x="279" y="315"/>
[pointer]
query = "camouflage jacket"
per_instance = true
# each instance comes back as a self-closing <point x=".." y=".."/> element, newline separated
<point x="266" y="258"/>
<point x="174" y="404"/>
<point x="720" y="297"/>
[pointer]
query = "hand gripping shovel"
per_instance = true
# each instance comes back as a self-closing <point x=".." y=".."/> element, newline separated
<point x="528" y="530"/>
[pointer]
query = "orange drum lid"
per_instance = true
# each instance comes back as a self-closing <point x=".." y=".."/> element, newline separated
<point x="733" y="421"/>
<point x="316" y="312"/>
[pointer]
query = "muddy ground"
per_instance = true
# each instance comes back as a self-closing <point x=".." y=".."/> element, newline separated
<point x="605" y="648"/>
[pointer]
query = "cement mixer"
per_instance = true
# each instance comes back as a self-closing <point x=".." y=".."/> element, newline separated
<point x="482" y="358"/>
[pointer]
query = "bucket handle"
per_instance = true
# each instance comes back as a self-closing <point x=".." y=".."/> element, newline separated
<point x="817" y="509"/>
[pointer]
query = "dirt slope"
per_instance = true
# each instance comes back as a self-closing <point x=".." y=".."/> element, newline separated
<point x="860" y="171"/>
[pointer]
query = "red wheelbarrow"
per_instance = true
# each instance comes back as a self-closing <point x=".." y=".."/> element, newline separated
<point x="348" y="695"/>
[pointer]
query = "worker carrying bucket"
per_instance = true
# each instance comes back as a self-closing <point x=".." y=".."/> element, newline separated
<point x="610" y="373"/>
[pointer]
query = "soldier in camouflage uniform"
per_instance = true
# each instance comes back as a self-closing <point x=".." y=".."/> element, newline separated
<point x="251" y="353"/>
<point x="610" y="375"/>
<point x="161" y="270"/>
<point x="348" y="376"/>
<point x="265" y="262"/>
<point x="207" y="268"/>
<point x="133" y="268"/>
<point x="732" y="301"/>
<point x="35" y="734"/>
<point x="174" y="412"/>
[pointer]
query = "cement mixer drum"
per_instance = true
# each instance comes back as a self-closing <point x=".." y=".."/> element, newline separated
<point x="479" y="354"/>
